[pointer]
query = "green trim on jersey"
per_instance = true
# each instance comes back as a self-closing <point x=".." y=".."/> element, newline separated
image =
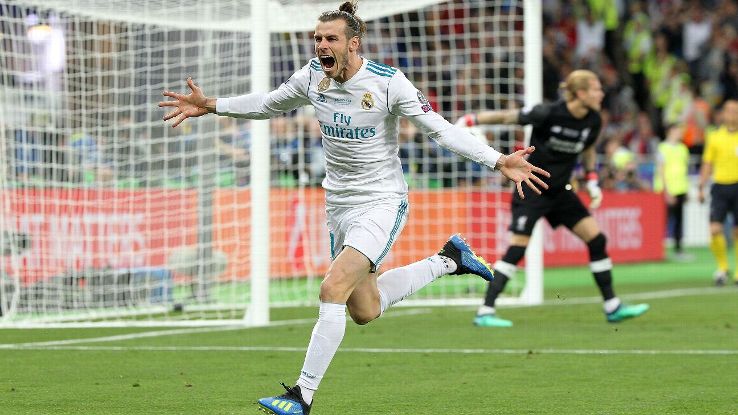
<point x="380" y="69"/>
<point x="393" y="234"/>
<point x="315" y="65"/>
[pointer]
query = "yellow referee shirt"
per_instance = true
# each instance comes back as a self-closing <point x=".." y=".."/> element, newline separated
<point x="721" y="150"/>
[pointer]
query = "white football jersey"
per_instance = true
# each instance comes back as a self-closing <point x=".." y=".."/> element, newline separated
<point x="359" y="121"/>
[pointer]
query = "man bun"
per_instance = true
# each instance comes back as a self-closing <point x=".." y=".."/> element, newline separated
<point x="349" y="7"/>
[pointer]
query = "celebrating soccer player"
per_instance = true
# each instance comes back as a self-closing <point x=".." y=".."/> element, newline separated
<point x="366" y="193"/>
<point x="562" y="131"/>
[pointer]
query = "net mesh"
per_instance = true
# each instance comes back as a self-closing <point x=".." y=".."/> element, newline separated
<point x="106" y="212"/>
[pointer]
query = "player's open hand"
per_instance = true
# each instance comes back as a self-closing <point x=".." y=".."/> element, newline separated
<point x="185" y="106"/>
<point x="516" y="168"/>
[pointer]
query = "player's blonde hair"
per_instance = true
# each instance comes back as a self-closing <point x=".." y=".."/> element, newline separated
<point x="576" y="81"/>
<point x="347" y="11"/>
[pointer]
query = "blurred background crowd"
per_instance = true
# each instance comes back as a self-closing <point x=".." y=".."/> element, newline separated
<point x="662" y="63"/>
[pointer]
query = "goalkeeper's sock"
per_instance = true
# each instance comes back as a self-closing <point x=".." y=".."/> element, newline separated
<point x="327" y="335"/>
<point x="720" y="251"/>
<point x="505" y="269"/>
<point x="611" y="305"/>
<point x="601" y="265"/>
<point x="398" y="283"/>
<point x="604" y="283"/>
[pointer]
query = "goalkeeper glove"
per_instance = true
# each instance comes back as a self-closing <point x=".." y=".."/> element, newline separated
<point x="593" y="188"/>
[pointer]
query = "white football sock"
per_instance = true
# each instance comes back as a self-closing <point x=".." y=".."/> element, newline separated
<point x="484" y="310"/>
<point x="398" y="283"/>
<point x="327" y="335"/>
<point x="611" y="305"/>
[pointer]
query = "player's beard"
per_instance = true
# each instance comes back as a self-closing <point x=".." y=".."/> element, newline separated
<point x="342" y="68"/>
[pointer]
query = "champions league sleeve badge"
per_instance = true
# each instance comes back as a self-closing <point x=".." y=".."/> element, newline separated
<point x="425" y="105"/>
<point x="324" y="84"/>
<point x="367" y="102"/>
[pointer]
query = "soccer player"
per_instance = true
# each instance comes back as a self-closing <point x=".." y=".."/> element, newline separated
<point x="720" y="159"/>
<point x="358" y="103"/>
<point x="562" y="131"/>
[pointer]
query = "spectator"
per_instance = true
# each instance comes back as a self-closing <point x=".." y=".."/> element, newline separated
<point x="729" y="80"/>
<point x="307" y="155"/>
<point x="609" y="13"/>
<point x="697" y="31"/>
<point x="680" y="98"/>
<point x="590" y="38"/>
<point x="232" y="146"/>
<point x="638" y="44"/>
<point x="88" y="160"/>
<point x="696" y="121"/>
<point x="658" y="71"/>
<point x="671" y="25"/>
<point x="672" y="179"/>
<point x="641" y="140"/>
<point x="130" y="156"/>
<point x="621" y="171"/>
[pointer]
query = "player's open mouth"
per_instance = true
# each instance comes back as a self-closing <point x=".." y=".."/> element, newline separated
<point x="327" y="61"/>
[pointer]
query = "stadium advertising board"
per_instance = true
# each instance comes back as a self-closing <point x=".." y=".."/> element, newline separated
<point x="73" y="230"/>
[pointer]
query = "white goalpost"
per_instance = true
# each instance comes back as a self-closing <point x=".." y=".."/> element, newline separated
<point x="110" y="217"/>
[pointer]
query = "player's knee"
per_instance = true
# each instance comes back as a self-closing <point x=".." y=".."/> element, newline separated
<point x="362" y="318"/>
<point x="597" y="247"/>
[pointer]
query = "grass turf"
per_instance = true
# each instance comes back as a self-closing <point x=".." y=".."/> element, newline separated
<point x="562" y="358"/>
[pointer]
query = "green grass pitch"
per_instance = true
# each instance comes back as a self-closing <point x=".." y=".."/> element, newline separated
<point x="560" y="358"/>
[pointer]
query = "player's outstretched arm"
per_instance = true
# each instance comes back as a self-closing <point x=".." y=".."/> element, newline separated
<point x="488" y="117"/>
<point x="516" y="168"/>
<point x="195" y="104"/>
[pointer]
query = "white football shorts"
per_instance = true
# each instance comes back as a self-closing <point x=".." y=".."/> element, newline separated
<point x="370" y="228"/>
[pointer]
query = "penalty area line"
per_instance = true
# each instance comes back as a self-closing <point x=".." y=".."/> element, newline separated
<point x="177" y="332"/>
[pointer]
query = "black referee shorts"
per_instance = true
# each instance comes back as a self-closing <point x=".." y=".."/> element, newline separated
<point x="723" y="200"/>
<point x="561" y="207"/>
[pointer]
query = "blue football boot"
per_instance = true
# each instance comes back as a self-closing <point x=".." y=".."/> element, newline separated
<point x="467" y="262"/>
<point x="289" y="403"/>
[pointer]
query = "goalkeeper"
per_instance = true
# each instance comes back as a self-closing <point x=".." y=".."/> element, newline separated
<point x="562" y="131"/>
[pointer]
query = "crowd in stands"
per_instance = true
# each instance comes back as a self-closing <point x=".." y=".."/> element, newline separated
<point x="661" y="62"/>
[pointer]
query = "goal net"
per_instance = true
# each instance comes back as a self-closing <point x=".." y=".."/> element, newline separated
<point x="109" y="216"/>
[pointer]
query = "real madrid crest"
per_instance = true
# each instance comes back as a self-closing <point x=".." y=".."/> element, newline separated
<point x="324" y="84"/>
<point x="367" y="102"/>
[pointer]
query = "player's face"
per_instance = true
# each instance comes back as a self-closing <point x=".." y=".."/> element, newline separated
<point x="332" y="47"/>
<point x="730" y="115"/>
<point x="592" y="97"/>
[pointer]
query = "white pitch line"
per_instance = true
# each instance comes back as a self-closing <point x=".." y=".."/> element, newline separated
<point x="398" y="313"/>
<point x="650" y="295"/>
<point x="688" y="352"/>
<point x="176" y="332"/>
